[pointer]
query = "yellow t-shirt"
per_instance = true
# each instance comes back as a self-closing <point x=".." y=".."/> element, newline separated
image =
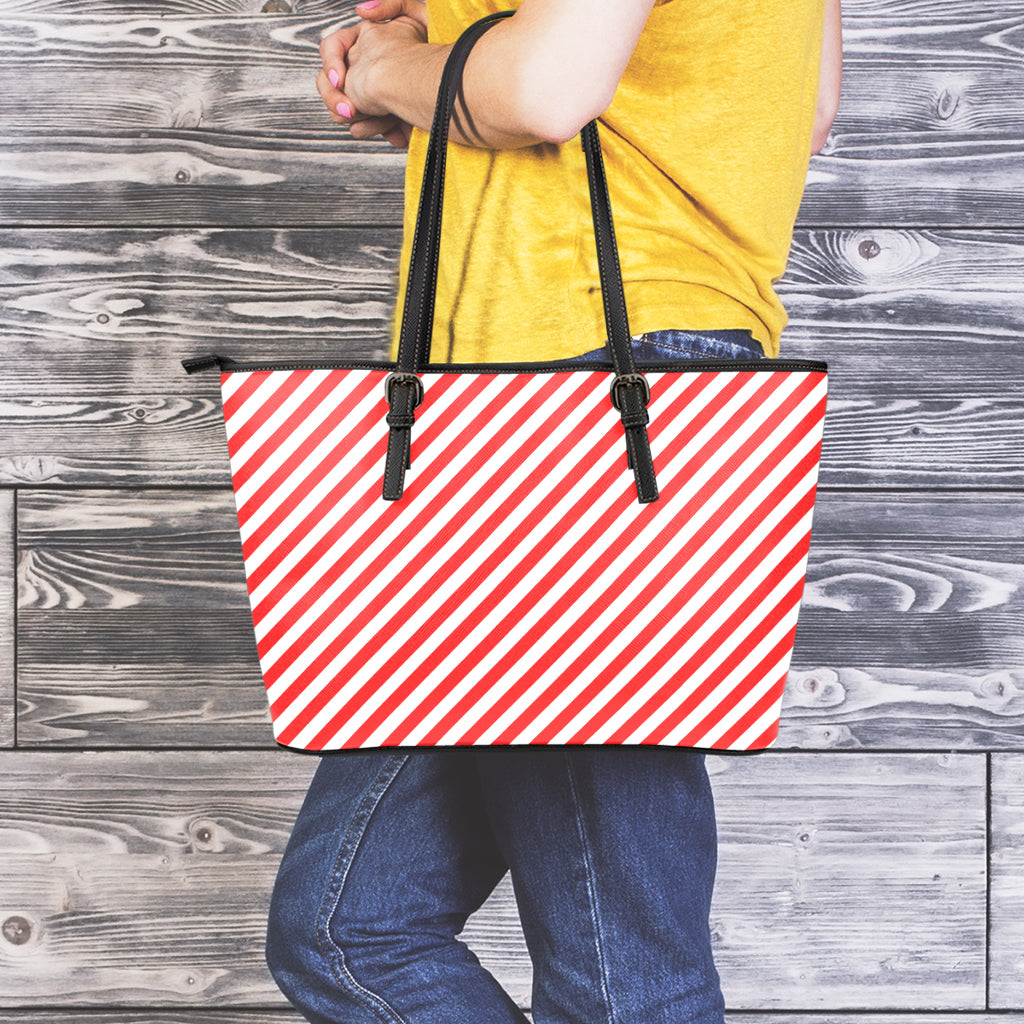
<point x="706" y="145"/>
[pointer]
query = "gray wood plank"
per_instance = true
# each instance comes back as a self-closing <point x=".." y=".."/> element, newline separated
<point x="188" y="8"/>
<point x="201" y="1015"/>
<point x="197" y="1015"/>
<point x="1006" y="901"/>
<point x="798" y="858"/>
<point x="897" y="585"/>
<point x="116" y="309"/>
<point x="194" y="177"/>
<point x="213" y="1015"/>
<point x="146" y="626"/>
<point x="7" y="602"/>
<point x="134" y="625"/>
<point x="142" y="879"/>
<point x="924" y="88"/>
<point x="921" y="328"/>
<point x="198" y="178"/>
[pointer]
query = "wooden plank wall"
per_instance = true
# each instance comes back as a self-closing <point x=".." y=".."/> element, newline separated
<point x="169" y="186"/>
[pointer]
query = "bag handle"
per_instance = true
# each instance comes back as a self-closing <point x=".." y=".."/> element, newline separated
<point x="629" y="390"/>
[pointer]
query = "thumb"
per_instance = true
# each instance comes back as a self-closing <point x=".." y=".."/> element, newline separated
<point x="386" y="10"/>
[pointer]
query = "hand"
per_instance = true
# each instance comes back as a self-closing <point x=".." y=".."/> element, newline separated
<point x="350" y="56"/>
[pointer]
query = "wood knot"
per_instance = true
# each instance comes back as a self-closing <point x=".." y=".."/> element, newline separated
<point x="183" y="177"/>
<point x="869" y="249"/>
<point x="17" y="930"/>
<point x="277" y="7"/>
<point x="205" y="836"/>
<point x="946" y="104"/>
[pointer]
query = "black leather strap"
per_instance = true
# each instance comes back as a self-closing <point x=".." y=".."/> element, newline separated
<point x="421" y="282"/>
<point x="629" y="390"/>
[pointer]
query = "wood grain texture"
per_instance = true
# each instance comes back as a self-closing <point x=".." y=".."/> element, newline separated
<point x="210" y="117"/>
<point x="134" y="605"/>
<point x="922" y="330"/>
<point x="797" y="857"/>
<point x="195" y="178"/>
<point x="7" y="601"/>
<point x="114" y="310"/>
<point x="134" y="624"/>
<point x="213" y="1015"/>
<point x="1006" y="902"/>
<point x="143" y="878"/>
<point x="911" y="625"/>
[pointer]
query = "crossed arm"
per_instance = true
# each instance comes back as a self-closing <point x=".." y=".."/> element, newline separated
<point x="537" y="77"/>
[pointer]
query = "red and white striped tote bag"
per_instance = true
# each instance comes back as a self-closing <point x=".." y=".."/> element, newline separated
<point x="449" y="555"/>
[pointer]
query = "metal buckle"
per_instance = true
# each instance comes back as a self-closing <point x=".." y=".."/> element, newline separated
<point x="404" y="379"/>
<point x="627" y="380"/>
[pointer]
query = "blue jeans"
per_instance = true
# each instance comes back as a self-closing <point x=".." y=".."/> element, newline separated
<point x="676" y="344"/>
<point x="611" y="850"/>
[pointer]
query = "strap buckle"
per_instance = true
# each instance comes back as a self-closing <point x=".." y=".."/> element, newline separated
<point x="404" y="380"/>
<point x="626" y="380"/>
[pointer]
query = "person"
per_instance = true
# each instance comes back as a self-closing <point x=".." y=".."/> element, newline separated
<point x="709" y="112"/>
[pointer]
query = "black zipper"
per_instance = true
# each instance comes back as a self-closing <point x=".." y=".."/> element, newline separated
<point x="226" y="365"/>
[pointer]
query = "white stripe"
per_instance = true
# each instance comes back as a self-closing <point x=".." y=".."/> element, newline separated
<point x="443" y="465"/>
<point x="276" y="465"/>
<point x="398" y="579"/>
<point x="476" y="674"/>
<point x="652" y="605"/>
<point x="498" y="548"/>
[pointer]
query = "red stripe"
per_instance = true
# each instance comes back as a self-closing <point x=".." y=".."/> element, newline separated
<point x="442" y="617"/>
<point x="370" y="467"/>
<point x="326" y="733"/>
<point x="470" y="621"/>
<point x="584" y="621"/>
<point x="722" y="635"/>
<point x="425" y="516"/>
<point x="768" y="701"/>
<point x="329" y="383"/>
<point x="295" y="457"/>
<point x="347" y="500"/>
<point x="583" y="547"/>
<point x="241" y="433"/>
<point x="731" y="699"/>
<point x="628" y="689"/>
<point x="353" y="476"/>
<point x="354" y="548"/>
<point x="767" y="738"/>
<point x="249" y="384"/>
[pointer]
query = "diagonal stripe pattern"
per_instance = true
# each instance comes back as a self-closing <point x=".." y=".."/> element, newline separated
<point x="518" y="593"/>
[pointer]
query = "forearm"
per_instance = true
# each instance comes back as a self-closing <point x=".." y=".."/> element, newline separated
<point x="536" y="77"/>
<point x="405" y="82"/>
<point x="830" y="75"/>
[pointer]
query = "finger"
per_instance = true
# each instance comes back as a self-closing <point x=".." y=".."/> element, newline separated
<point x="333" y="48"/>
<point x="397" y="138"/>
<point x="368" y="127"/>
<point x="339" y="106"/>
<point x="386" y="10"/>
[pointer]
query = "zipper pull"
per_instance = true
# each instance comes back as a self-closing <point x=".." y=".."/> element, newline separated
<point x="200" y="363"/>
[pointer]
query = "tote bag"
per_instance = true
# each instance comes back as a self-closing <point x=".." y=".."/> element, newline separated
<point x="557" y="553"/>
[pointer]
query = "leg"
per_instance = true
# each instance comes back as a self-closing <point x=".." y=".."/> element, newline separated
<point x="390" y="854"/>
<point x="612" y="853"/>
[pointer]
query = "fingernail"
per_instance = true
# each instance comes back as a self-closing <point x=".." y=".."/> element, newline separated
<point x="369" y="5"/>
<point x="344" y="109"/>
<point x="333" y="77"/>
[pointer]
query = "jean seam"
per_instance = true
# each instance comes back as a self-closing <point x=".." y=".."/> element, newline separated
<point x="332" y="897"/>
<point x="591" y="891"/>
